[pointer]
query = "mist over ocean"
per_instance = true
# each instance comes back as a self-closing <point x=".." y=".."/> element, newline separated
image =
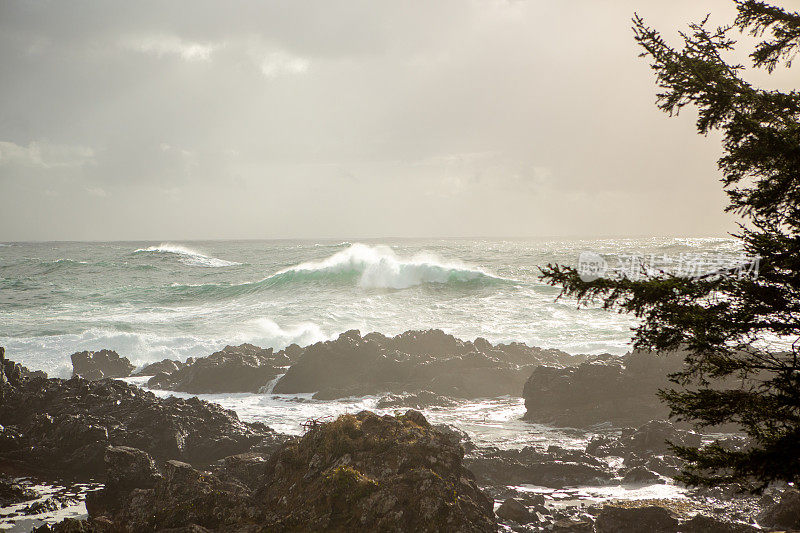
<point x="154" y="300"/>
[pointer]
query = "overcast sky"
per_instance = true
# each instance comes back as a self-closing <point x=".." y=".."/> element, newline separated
<point x="202" y="120"/>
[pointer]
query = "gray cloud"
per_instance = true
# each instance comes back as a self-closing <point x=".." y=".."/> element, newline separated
<point x="346" y="119"/>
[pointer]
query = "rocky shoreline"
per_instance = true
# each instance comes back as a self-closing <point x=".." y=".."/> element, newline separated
<point x="173" y="464"/>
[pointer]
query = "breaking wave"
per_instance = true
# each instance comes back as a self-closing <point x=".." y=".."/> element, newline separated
<point x="187" y="255"/>
<point x="381" y="267"/>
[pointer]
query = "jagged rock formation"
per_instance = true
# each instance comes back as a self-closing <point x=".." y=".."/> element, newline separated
<point x="359" y="473"/>
<point x="167" y="366"/>
<point x="556" y="467"/>
<point x="244" y="368"/>
<point x="100" y="364"/>
<point x="414" y="361"/>
<point x="619" y="390"/>
<point x="352" y="365"/>
<point x="62" y="427"/>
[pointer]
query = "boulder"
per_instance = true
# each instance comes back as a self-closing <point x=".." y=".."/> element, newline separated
<point x="167" y="366"/>
<point x="513" y="509"/>
<point x="12" y="492"/>
<point x="366" y="472"/>
<point x="653" y="519"/>
<point x="244" y="368"/>
<point x="639" y="475"/>
<point x="648" y="439"/>
<point x="785" y="514"/>
<point x="99" y="365"/>
<point x="556" y="467"/>
<point x="605" y="389"/>
<point x="126" y="469"/>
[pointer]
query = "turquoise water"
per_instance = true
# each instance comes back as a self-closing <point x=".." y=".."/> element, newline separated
<point x="151" y="300"/>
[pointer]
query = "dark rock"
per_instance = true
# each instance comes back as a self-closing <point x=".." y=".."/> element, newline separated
<point x="167" y="366"/>
<point x="366" y="472"/>
<point x="783" y="514"/>
<point x="649" y="439"/>
<point x="640" y="475"/>
<point x="244" y="368"/>
<point x="555" y="468"/>
<point x="708" y="524"/>
<point x="411" y="362"/>
<point x="574" y="524"/>
<point x="12" y="492"/>
<point x="358" y="473"/>
<point x="417" y="400"/>
<point x="604" y="389"/>
<point x="513" y="509"/>
<point x="653" y="519"/>
<point x="65" y="426"/>
<point x="101" y="364"/>
<point x="246" y="468"/>
<point x="126" y="469"/>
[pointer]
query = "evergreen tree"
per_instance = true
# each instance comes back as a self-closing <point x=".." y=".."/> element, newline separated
<point x="727" y="325"/>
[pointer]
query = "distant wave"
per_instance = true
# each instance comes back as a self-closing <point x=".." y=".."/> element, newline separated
<point x="380" y="267"/>
<point x="68" y="262"/>
<point x="187" y="255"/>
<point x="336" y="245"/>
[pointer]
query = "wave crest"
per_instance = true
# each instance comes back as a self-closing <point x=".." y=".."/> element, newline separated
<point x="187" y="255"/>
<point x="381" y="267"/>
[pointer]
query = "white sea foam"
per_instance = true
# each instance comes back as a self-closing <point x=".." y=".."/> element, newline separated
<point x="381" y="267"/>
<point x="188" y="256"/>
<point x="51" y="353"/>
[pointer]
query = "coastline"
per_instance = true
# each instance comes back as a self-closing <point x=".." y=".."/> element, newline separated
<point x="558" y="475"/>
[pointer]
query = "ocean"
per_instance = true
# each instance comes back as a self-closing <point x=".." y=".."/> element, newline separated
<point x="155" y="300"/>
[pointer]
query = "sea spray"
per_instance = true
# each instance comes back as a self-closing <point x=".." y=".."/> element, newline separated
<point x="381" y="267"/>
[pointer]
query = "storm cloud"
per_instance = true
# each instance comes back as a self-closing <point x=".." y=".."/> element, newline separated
<point x="200" y="120"/>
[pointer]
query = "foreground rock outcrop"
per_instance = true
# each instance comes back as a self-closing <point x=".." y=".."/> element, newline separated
<point x="360" y="472"/>
<point x="604" y="389"/>
<point x="100" y="364"/>
<point x="62" y="427"/>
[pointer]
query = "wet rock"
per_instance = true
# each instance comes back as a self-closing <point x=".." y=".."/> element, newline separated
<point x="513" y="509"/>
<point x="784" y="514"/>
<point x="186" y="498"/>
<point x="651" y="438"/>
<point x="64" y="426"/>
<point x="411" y="362"/>
<point x="167" y="366"/>
<point x="555" y="467"/>
<point x="456" y="436"/>
<point x="614" y="519"/>
<point x="417" y="400"/>
<point x="708" y="524"/>
<point x="640" y="475"/>
<point x="575" y="524"/>
<point x="12" y="492"/>
<point x="367" y="472"/>
<point x="126" y="469"/>
<point x="101" y="364"/>
<point x="244" y="368"/>
<point x="619" y="390"/>
<point x="360" y="472"/>
<point x="246" y="468"/>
